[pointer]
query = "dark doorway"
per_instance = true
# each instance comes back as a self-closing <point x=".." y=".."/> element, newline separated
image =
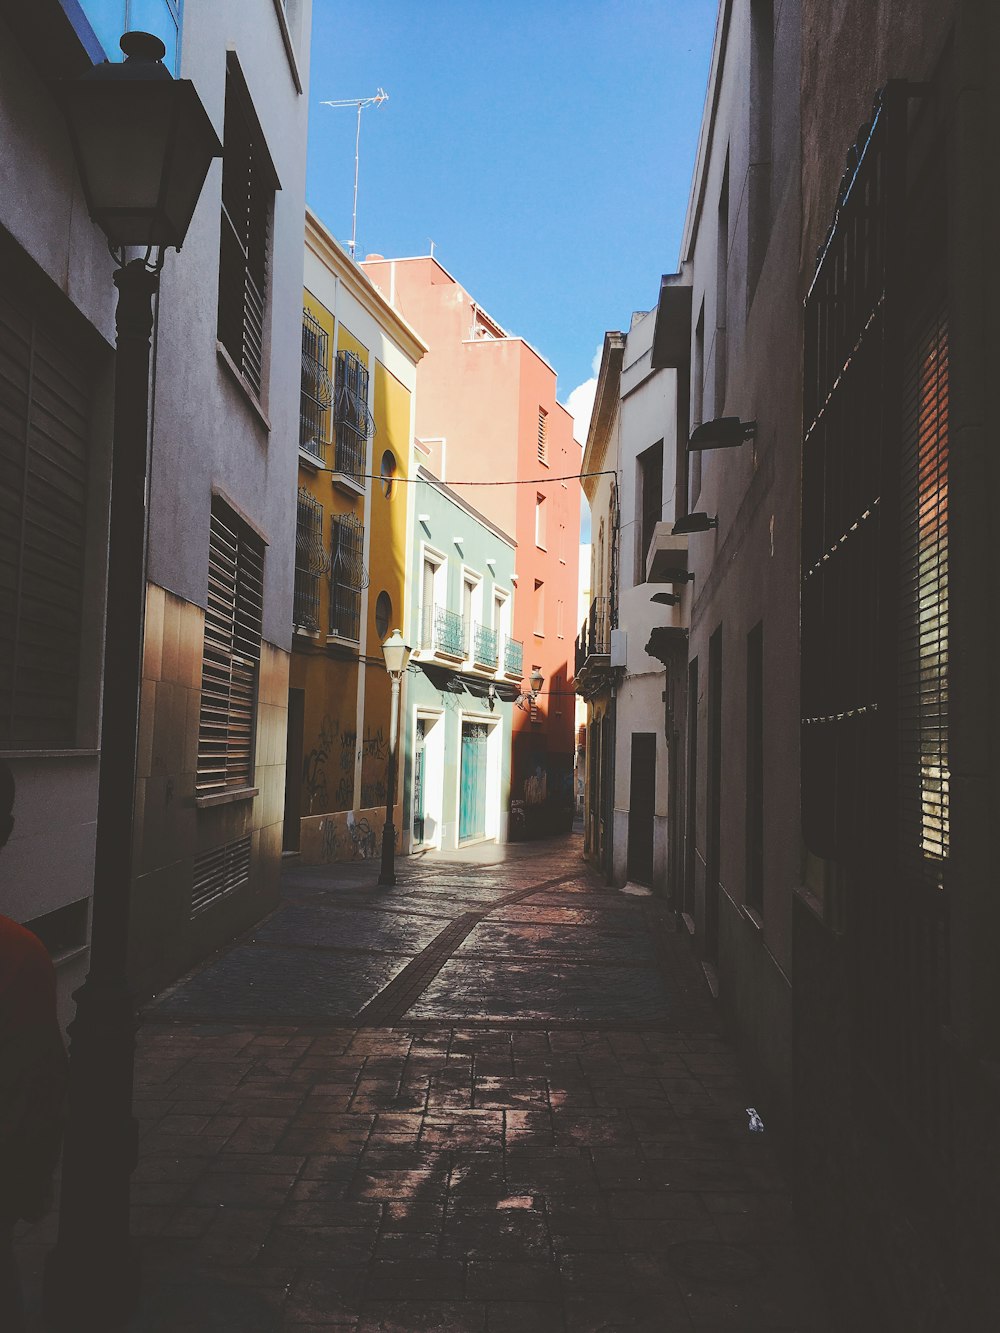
<point x="642" y="807"/>
<point x="293" y="770"/>
<point x="714" y="820"/>
<point x="691" y="804"/>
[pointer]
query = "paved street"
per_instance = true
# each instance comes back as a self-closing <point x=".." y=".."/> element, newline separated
<point x="494" y="1098"/>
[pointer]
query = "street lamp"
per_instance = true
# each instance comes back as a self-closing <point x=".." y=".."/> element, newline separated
<point x="143" y="145"/>
<point x="397" y="656"/>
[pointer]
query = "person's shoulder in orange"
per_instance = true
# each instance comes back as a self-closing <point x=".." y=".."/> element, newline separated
<point x="27" y="979"/>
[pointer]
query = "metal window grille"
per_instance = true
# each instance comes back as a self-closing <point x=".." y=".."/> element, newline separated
<point x="355" y="425"/>
<point x="316" y="395"/>
<point x="219" y="872"/>
<point x="543" y="439"/>
<point x="348" y="576"/>
<point x="46" y="385"/>
<point x="231" y="662"/>
<point x="311" y="561"/>
<point x="247" y="191"/>
<point x="875" y="781"/>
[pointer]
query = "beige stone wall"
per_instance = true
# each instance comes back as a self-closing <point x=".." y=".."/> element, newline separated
<point x="170" y="830"/>
<point x="330" y="837"/>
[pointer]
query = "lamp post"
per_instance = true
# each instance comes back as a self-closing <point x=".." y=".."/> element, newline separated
<point x="397" y="655"/>
<point x="143" y="145"/>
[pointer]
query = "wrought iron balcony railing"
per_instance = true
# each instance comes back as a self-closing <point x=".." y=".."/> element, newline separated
<point x="513" y="657"/>
<point x="594" y="641"/>
<point x="442" y="631"/>
<point x="484" y="646"/>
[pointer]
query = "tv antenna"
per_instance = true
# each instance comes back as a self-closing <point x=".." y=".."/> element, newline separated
<point x="360" y="102"/>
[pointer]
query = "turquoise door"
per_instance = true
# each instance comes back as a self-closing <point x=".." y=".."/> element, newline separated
<point x="472" y="805"/>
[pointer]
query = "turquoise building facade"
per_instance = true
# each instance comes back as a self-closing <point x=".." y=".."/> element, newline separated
<point x="465" y="674"/>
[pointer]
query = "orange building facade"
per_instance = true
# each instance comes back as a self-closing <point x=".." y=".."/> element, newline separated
<point x="486" y="412"/>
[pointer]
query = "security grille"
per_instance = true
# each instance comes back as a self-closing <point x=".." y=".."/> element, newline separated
<point x="46" y="385"/>
<point x="348" y="576"/>
<point x="232" y="653"/>
<point x="311" y="561"/>
<point x="316" y="394"/>
<point x="219" y="872"/>
<point x="355" y="424"/>
<point x="247" y="191"/>
<point x="875" y="781"/>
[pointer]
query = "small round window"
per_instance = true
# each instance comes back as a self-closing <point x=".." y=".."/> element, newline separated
<point x="383" y="613"/>
<point x="388" y="473"/>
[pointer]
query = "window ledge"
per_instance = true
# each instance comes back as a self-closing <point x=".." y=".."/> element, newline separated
<point x="300" y="632"/>
<point x="286" y="37"/>
<point x="344" y="639"/>
<point x="312" y="461"/>
<point x="50" y="754"/>
<point x="345" y="482"/>
<point x="226" y="797"/>
<point x="243" y="385"/>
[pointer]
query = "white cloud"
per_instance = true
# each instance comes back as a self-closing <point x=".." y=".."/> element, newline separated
<point x="580" y="403"/>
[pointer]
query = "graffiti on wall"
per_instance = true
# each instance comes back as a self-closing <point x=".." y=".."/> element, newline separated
<point x="314" y="764"/>
<point x="374" y="745"/>
<point x="363" y="840"/>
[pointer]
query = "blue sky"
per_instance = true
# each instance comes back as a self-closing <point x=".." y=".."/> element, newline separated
<point x="545" y="147"/>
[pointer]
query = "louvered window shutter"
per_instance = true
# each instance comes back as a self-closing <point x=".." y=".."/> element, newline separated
<point x="46" y="386"/>
<point x="232" y="653"/>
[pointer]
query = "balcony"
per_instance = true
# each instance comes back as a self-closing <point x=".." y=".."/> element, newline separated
<point x="593" y="645"/>
<point x="513" y="658"/>
<point x="485" y="647"/>
<point x="442" y="632"/>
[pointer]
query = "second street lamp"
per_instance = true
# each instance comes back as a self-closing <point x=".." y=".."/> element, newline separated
<point x="143" y="144"/>
<point x="397" y="656"/>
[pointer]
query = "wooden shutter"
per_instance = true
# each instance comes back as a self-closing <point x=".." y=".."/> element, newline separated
<point x="232" y="653"/>
<point x="46" y="385"/>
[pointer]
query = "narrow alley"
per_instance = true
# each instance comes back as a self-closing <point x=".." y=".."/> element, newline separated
<point x="494" y="1098"/>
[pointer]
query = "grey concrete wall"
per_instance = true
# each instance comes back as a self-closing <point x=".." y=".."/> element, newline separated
<point x="746" y="571"/>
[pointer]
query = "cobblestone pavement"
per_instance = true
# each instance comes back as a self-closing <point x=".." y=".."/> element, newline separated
<point x="493" y="1099"/>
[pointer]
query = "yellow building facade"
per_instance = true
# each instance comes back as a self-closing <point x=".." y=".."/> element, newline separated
<point x="355" y="517"/>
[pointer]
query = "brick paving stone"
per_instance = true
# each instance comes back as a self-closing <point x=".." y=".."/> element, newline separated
<point x="497" y="1099"/>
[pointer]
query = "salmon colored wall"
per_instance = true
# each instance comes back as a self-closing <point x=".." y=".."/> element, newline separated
<point x="483" y="395"/>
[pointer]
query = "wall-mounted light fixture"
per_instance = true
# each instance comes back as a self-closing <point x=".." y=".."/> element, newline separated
<point x="530" y="700"/>
<point x="695" y="523"/>
<point x="722" y="433"/>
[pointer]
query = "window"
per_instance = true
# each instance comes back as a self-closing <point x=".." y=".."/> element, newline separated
<point x="649" y="502"/>
<point x="697" y="402"/>
<point x="471" y="610"/>
<point x="560" y="604"/>
<point x="713" y="831"/>
<point x="543" y="443"/>
<point x="355" y="424"/>
<point x="248" y="185"/>
<point x="310" y="562"/>
<point x="383" y="614"/>
<point x="722" y="295"/>
<point x="387" y="471"/>
<point x="110" y="18"/>
<point x="761" y="93"/>
<point x="540" y="521"/>
<point x="316" y="393"/>
<point x="46" y="384"/>
<point x="231" y="661"/>
<point x="348" y="576"/>
<point x="754" y="888"/>
<point x="539" y="607"/>
<point x="432" y="593"/>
